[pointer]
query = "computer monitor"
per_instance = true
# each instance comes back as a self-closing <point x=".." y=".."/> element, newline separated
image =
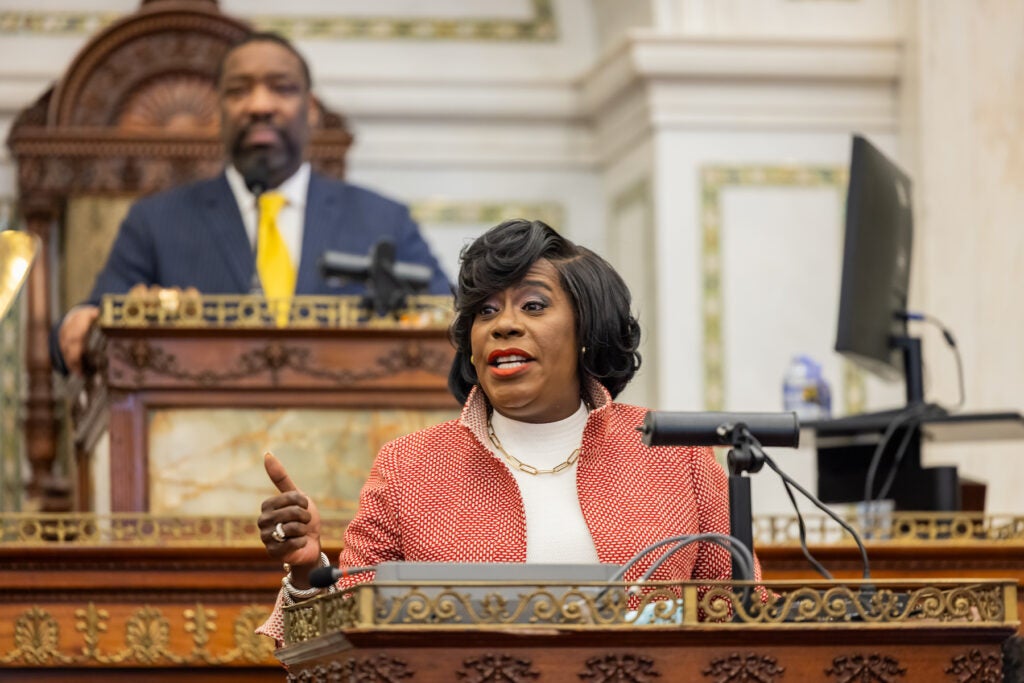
<point x="872" y="332"/>
<point x="876" y="263"/>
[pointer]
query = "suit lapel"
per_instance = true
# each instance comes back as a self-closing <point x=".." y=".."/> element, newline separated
<point x="323" y="218"/>
<point x="224" y="225"/>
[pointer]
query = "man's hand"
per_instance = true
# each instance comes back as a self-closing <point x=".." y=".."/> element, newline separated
<point x="299" y="520"/>
<point x="72" y="335"/>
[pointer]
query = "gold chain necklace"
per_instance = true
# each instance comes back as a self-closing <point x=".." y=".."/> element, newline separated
<point x="530" y="469"/>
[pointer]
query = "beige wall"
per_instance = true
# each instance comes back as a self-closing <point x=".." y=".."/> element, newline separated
<point x="969" y="159"/>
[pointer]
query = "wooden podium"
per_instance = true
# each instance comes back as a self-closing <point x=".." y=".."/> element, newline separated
<point x="226" y="352"/>
<point x="885" y="632"/>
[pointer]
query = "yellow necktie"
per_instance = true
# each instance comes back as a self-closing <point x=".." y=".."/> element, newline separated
<point x="273" y="262"/>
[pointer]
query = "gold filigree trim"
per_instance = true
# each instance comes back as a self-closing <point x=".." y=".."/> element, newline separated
<point x="11" y="370"/>
<point x="911" y="528"/>
<point x="541" y="26"/>
<point x="589" y="606"/>
<point x="172" y="308"/>
<point x="141" y="530"/>
<point x="147" y="638"/>
<point x="445" y="211"/>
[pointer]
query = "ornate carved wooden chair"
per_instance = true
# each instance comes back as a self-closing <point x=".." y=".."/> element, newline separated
<point x="135" y="112"/>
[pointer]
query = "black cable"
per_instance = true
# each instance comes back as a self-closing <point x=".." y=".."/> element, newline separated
<point x="951" y="341"/>
<point x="821" y="506"/>
<point x="897" y="459"/>
<point x="730" y="543"/>
<point x="905" y="416"/>
<point x="818" y="567"/>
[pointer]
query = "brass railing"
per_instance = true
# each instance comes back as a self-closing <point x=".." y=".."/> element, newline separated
<point x="893" y="528"/>
<point x="591" y="605"/>
<point x="132" y="528"/>
<point x="174" y="308"/>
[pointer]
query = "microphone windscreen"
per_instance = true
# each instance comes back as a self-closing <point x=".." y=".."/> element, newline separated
<point x="713" y="429"/>
<point x="323" y="577"/>
<point x="340" y="264"/>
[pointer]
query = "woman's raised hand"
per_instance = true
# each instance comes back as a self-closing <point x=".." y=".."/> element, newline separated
<point x="293" y="516"/>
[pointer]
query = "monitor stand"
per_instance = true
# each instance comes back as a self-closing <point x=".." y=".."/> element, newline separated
<point x="847" y="446"/>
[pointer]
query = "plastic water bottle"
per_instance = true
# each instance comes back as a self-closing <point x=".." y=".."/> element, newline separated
<point x="805" y="391"/>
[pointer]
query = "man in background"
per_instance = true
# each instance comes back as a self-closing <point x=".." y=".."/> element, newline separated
<point x="262" y="224"/>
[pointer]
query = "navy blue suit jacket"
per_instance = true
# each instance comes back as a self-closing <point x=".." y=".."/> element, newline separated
<point x="193" y="236"/>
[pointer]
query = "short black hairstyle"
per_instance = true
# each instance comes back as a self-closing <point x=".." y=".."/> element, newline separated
<point x="265" y="37"/>
<point x="605" y="327"/>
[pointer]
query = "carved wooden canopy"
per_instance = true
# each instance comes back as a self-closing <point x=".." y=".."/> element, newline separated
<point x="136" y="110"/>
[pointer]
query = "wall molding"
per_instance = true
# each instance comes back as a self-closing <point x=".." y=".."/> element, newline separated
<point x="714" y="179"/>
<point x="540" y="26"/>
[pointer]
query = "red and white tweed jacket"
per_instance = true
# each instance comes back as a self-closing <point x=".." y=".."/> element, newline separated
<point x="440" y="495"/>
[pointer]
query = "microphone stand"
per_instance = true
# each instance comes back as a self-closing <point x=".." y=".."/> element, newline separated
<point x="743" y="457"/>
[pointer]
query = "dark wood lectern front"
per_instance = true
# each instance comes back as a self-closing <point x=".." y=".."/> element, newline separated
<point x="218" y="352"/>
<point x="884" y="633"/>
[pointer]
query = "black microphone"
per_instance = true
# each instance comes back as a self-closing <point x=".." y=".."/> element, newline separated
<point x="715" y="429"/>
<point x="325" y="577"/>
<point x="356" y="267"/>
<point x="387" y="281"/>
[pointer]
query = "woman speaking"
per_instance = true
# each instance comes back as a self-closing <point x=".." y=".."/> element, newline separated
<point x="542" y="465"/>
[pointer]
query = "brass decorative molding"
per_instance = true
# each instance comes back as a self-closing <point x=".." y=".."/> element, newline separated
<point x="172" y="308"/>
<point x="129" y="529"/>
<point x="540" y="26"/>
<point x="875" y="605"/>
<point x="516" y="605"/>
<point x="713" y="181"/>
<point x="450" y="211"/>
<point x="149" y="638"/>
<point x="898" y="528"/>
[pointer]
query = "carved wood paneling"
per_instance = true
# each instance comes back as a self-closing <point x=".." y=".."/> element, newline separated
<point x="748" y="667"/>
<point x="380" y="669"/>
<point x="496" y="668"/>
<point x="873" y="668"/>
<point x="620" y="668"/>
<point x="977" y="667"/>
<point x="151" y="362"/>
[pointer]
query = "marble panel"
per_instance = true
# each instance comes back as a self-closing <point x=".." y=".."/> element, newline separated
<point x="211" y="461"/>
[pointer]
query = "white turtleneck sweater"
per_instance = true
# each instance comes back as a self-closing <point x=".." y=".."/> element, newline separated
<point x="555" y="529"/>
